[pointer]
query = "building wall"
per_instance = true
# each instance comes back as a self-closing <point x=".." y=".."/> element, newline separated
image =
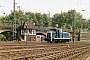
<point x="31" y="37"/>
<point x="40" y="38"/>
<point x="29" y="34"/>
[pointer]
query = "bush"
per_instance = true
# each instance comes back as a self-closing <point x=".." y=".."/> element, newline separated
<point x="8" y="35"/>
<point x="2" y="37"/>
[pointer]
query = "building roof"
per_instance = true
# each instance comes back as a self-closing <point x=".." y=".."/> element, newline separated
<point x="28" y="25"/>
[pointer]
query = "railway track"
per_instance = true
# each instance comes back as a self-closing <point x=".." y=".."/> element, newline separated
<point x="44" y="51"/>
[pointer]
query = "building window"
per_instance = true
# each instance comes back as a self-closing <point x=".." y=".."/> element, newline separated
<point x="30" y="31"/>
<point x="38" y="36"/>
<point x="30" y="38"/>
<point x="34" y="32"/>
<point x="25" y="30"/>
<point x="34" y="38"/>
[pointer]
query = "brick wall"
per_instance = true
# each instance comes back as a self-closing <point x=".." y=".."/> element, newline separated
<point x="31" y="37"/>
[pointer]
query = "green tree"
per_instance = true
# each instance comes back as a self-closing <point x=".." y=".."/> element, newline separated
<point x="31" y="17"/>
<point x="46" y="20"/>
<point x="66" y="20"/>
<point x="39" y="18"/>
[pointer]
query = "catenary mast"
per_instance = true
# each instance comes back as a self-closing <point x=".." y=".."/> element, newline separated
<point x="14" y="22"/>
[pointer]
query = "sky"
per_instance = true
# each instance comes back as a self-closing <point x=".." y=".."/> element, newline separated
<point x="46" y="6"/>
